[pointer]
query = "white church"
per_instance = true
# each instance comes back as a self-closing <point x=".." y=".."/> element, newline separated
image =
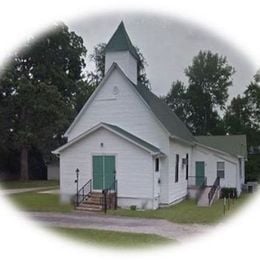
<point x="127" y="140"/>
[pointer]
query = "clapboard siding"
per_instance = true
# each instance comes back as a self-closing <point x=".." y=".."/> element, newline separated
<point x="134" y="166"/>
<point x="232" y="178"/>
<point x="128" y="111"/>
<point x="178" y="190"/>
<point x="126" y="62"/>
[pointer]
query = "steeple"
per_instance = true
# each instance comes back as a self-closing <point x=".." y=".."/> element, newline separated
<point x="120" y="50"/>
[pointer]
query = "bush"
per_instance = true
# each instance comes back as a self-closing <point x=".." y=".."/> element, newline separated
<point x="228" y="192"/>
<point x="133" y="207"/>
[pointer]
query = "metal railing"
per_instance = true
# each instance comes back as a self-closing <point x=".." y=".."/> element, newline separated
<point x="213" y="189"/>
<point x="83" y="193"/>
<point x="109" y="198"/>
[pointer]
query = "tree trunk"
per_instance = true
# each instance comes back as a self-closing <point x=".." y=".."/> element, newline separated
<point x="24" y="163"/>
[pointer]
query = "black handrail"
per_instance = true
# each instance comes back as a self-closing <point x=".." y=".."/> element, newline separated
<point x="213" y="189"/>
<point x="83" y="193"/>
<point x="109" y="199"/>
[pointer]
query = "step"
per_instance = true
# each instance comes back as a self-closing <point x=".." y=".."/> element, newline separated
<point x="88" y="209"/>
<point x="96" y="194"/>
<point x="90" y="205"/>
<point x="91" y="202"/>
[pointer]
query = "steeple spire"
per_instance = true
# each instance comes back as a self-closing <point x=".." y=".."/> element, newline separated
<point x="120" y="50"/>
<point x="120" y="41"/>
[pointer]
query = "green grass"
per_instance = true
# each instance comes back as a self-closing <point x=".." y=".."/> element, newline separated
<point x="28" y="184"/>
<point x="113" y="238"/>
<point x="34" y="201"/>
<point x="186" y="212"/>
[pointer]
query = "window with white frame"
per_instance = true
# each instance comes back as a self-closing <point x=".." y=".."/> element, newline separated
<point x="221" y="169"/>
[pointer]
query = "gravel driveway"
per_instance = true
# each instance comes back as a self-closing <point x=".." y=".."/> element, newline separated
<point x="84" y="220"/>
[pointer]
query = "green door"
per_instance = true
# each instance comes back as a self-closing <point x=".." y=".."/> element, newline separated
<point x="98" y="179"/>
<point x="103" y="171"/>
<point x="200" y="173"/>
<point x="109" y="171"/>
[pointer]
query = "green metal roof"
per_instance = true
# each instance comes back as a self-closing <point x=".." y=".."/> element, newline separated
<point x="232" y="144"/>
<point x="134" y="138"/>
<point x="165" y="115"/>
<point x="120" y="41"/>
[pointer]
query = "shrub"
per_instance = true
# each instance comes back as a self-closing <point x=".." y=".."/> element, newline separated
<point x="133" y="207"/>
<point x="228" y="192"/>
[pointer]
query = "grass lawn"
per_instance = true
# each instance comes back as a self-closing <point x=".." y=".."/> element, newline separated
<point x="34" y="201"/>
<point x="186" y="212"/>
<point x="28" y="184"/>
<point x="112" y="238"/>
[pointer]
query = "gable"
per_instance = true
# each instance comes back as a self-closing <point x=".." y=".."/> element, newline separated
<point x="117" y="102"/>
<point x="117" y="131"/>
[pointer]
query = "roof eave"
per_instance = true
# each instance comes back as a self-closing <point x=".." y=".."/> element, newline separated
<point x="182" y="140"/>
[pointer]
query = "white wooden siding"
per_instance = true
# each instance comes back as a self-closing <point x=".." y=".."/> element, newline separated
<point x="232" y="178"/>
<point x="134" y="166"/>
<point x="128" y="111"/>
<point x="126" y="62"/>
<point x="178" y="190"/>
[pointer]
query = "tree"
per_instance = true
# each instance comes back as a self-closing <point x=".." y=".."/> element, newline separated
<point x="236" y="117"/>
<point x="242" y="117"/>
<point x="177" y="100"/>
<point x="98" y="57"/>
<point x="209" y="77"/>
<point x="38" y="92"/>
<point x="56" y="58"/>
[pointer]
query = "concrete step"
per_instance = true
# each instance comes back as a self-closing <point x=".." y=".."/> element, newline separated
<point x="80" y="208"/>
<point x="92" y="201"/>
<point x="203" y="200"/>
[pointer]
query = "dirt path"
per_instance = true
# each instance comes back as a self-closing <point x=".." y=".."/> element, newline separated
<point x="84" y="220"/>
<point x="21" y="190"/>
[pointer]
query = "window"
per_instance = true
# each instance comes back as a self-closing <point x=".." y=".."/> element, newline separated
<point x="157" y="164"/>
<point x="221" y="169"/>
<point x="177" y="168"/>
<point x="187" y="166"/>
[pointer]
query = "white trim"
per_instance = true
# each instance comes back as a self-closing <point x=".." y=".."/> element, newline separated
<point x="93" y="129"/>
<point x="215" y="150"/>
<point x="109" y="72"/>
<point x="107" y="75"/>
<point x="102" y="154"/>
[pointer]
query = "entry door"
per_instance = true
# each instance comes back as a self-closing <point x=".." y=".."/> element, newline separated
<point x="103" y="171"/>
<point x="200" y="173"/>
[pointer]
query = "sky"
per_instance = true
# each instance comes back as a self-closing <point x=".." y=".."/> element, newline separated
<point x="168" y="45"/>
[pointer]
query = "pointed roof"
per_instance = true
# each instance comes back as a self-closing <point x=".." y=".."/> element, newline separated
<point x="174" y="126"/>
<point x="120" y="41"/>
<point x="166" y="116"/>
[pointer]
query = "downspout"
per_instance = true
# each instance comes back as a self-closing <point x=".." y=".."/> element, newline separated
<point x="153" y="158"/>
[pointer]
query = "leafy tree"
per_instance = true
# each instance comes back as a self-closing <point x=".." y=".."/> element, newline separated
<point x="56" y="58"/>
<point x="178" y="101"/>
<point x="242" y="117"/>
<point x="85" y="88"/>
<point x="236" y="117"/>
<point x="209" y="77"/>
<point x="39" y="92"/>
<point x="243" y="114"/>
<point x="98" y="57"/>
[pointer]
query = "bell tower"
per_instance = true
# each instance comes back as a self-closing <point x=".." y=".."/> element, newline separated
<point x="121" y="51"/>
